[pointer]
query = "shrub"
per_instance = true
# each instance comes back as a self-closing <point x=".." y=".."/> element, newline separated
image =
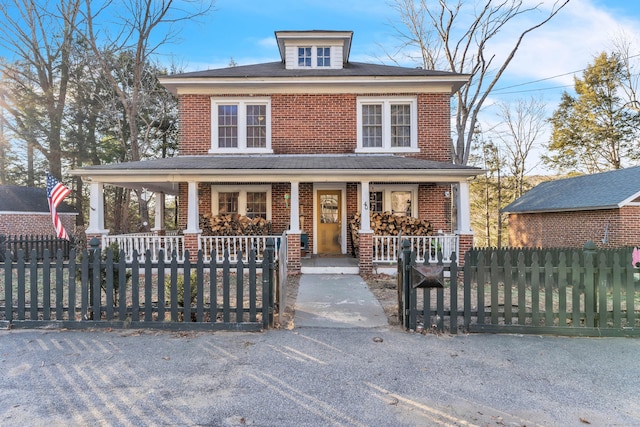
<point x="180" y="287"/>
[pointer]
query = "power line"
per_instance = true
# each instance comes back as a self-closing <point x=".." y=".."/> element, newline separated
<point x="531" y="90"/>
<point x="539" y="80"/>
<point x="545" y="79"/>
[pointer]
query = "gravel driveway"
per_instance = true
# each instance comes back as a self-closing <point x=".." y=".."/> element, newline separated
<point x="315" y="377"/>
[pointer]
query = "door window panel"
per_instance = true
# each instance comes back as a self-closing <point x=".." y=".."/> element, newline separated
<point x="329" y="209"/>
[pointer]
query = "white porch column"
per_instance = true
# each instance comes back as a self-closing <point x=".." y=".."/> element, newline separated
<point x="159" y="216"/>
<point x="294" y="199"/>
<point x="96" y="209"/>
<point x="365" y="220"/>
<point x="192" y="209"/>
<point x="464" y="216"/>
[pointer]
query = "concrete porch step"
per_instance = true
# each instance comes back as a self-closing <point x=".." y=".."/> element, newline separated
<point x="330" y="265"/>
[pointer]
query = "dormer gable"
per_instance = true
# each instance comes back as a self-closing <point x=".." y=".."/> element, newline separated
<point x="314" y="49"/>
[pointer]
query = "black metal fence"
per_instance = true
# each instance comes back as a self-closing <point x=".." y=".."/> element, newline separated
<point x="32" y="244"/>
<point x="100" y="289"/>
<point x="572" y="292"/>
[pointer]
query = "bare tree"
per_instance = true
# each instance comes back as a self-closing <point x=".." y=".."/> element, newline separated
<point x="39" y="36"/>
<point x="136" y="30"/>
<point x="141" y="26"/>
<point x="438" y="30"/>
<point x="630" y="75"/>
<point x="519" y="132"/>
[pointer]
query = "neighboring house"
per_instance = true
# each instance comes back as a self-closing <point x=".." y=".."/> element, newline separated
<point x="312" y="136"/>
<point x="25" y="211"/>
<point x="603" y="208"/>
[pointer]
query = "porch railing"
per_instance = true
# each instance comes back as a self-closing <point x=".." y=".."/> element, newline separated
<point x="385" y="248"/>
<point x="141" y="242"/>
<point x="234" y="244"/>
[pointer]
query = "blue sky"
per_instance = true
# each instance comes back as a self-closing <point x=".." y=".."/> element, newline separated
<point x="543" y="68"/>
<point x="244" y="30"/>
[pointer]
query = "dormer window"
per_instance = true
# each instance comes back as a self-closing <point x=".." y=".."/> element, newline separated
<point x="324" y="57"/>
<point x="312" y="57"/>
<point x="309" y="50"/>
<point x="304" y="57"/>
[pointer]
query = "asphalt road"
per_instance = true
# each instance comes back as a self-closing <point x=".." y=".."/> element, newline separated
<point x="315" y="377"/>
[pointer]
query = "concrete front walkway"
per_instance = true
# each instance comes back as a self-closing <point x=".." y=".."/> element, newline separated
<point x="337" y="301"/>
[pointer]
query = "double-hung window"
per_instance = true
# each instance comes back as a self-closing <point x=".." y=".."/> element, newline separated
<point x="323" y="56"/>
<point x="304" y="57"/>
<point x="387" y="125"/>
<point x="398" y="199"/>
<point x="253" y="201"/>
<point x="242" y="125"/>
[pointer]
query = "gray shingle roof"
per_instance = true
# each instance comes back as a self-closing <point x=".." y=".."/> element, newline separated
<point x="14" y="198"/>
<point x="605" y="190"/>
<point x="285" y="163"/>
<point x="277" y="69"/>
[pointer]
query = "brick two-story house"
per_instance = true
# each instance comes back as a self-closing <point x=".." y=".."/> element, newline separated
<point x="312" y="136"/>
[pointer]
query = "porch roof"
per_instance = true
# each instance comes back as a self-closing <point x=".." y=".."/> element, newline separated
<point x="165" y="174"/>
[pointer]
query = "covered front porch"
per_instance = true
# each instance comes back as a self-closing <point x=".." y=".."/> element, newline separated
<point x="309" y="202"/>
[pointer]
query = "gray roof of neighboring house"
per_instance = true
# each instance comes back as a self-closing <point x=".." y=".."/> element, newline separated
<point x="15" y="198"/>
<point x="277" y="69"/>
<point x="606" y="190"/>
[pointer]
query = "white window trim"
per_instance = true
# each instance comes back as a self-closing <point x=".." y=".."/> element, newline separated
<point x="242" y="196"/>
<point x="314" y="57"/>
<point x="386" y="124"/>
<point x="242" y="125"/>
<point x="386" y="195"/>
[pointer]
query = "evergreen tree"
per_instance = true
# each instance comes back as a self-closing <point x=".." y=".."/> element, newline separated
<point x="596" y="130"/>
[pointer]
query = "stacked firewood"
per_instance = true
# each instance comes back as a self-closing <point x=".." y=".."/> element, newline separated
<point x="233" y="225"/>
<point x="388" y="224"/>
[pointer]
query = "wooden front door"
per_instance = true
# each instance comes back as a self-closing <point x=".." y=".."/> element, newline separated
<point x="329" y="222"/>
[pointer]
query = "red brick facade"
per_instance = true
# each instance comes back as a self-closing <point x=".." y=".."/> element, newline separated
<point x="606" y="228"/>
<point x="322" y="124"/>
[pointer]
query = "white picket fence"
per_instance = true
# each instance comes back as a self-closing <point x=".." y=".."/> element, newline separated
<point x="141" y="242"/>
<point x="385" y="248"/>
<point x="234" y="244"/>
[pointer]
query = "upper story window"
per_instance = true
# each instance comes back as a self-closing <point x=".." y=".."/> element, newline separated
<point x="312" y="57"/>
<point x="387" y="125"/>
<point x="240" y="125"/>
<point x="304" y="57"/>
<point x="324" y="56"/>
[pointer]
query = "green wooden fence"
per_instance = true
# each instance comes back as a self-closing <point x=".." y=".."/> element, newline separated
<point x="569" y="292"/>
<point x="100" y="289"/>
<point x="31" y="243"/>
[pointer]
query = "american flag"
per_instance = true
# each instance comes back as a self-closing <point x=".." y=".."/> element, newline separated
<point x="56" y="192"/>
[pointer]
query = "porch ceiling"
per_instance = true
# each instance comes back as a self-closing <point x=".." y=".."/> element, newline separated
<point x="165" y="174"/>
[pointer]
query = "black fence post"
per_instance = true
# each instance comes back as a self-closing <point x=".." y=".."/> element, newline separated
<point x="3" y="247"/>
<point x="94" y="277"/>
<point x="407" y="289"/>
<point x="267" y="283"/>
